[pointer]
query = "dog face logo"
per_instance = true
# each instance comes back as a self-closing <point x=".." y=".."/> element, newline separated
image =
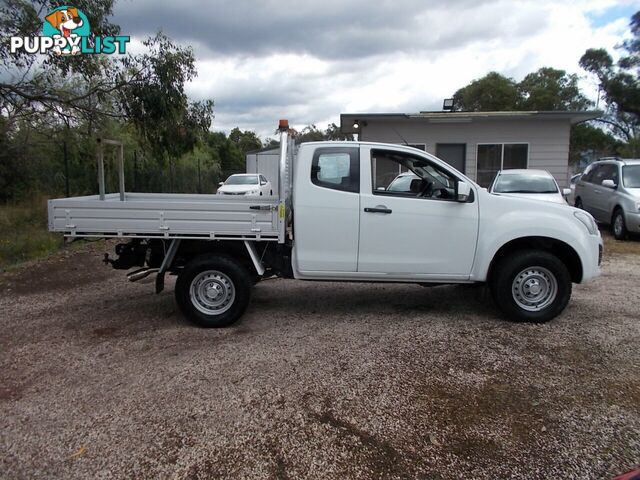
<point x="66" y="31"/>
<point x="65" y="20"/>
<point x="69" y="23"/>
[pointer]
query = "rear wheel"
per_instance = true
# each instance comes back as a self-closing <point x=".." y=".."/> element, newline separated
<point x="213" y="290"/>
<point x="619" y="225"/>
<point x="531" y="286"/>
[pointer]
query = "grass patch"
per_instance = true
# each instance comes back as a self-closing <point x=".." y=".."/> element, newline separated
<point x="23" y="233"/>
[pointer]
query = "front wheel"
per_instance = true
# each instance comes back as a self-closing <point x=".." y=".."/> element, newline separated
<point x="619" y="225"/>
<point x="578" y="203"/>
<point x="213" y="291"/>
<point x="531" y="286"/>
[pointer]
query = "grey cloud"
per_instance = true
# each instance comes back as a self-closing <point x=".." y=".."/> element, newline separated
<point x="329" y="29"/>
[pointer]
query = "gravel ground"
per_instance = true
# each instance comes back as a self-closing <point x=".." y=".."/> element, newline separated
<point x="104" y="379"/>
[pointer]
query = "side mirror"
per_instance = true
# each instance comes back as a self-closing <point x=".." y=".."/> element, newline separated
<point x="566" y="192"/>
<point x="464" y="191"/>
<point x="380" y="189"/>
<point x="263" y="183"/>
<point x="220" y="184"/>
<point x="609" y="183"/>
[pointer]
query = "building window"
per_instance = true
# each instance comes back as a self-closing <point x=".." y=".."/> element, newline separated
<point x="499" y="156"/>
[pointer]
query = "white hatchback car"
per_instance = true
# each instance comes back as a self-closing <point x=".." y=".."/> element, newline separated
<point x="536" y="184"/>
<point x="254" y="184"/>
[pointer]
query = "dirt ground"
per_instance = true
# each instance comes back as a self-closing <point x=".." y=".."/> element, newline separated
<point x="104" y="379"/>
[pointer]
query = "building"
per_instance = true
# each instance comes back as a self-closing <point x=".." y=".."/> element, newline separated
<point x="478" y="143"/>
<point x="267" y="162"/>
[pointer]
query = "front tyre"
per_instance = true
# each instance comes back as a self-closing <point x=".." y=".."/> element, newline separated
<point x="619" y="225"/>
<point x="213" y="291"/>
<point x="531" y="286"/>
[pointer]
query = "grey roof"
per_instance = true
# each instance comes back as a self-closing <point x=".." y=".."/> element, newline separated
<point x="347" y="119"/>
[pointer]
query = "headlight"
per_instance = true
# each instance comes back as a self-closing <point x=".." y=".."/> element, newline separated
<point x="588" y="221"/>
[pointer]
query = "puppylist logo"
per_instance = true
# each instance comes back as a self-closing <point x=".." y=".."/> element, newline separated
<point x="66" y="31"/>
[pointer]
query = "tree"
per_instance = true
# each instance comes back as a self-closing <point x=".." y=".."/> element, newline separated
<point x="620" y="85"/>
<point x="333" y="133"/>
<point x="550" y="89"/>
<point x="245" y="140"/>
<point x="545" y="89"/>
<point x="35" y="85"/>
<point x="491" y="93"/>
<point x="230" y="157"/>
<point x="49" y="102"/>
<point x="586" y="138"/>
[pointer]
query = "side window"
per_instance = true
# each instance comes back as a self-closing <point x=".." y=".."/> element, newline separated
<point x="405" y="175"/>
<point x="337" y="168"/>
<point x="263" y="179"/>
<point x="587" y="176"/>
<point x="602" y="172"/>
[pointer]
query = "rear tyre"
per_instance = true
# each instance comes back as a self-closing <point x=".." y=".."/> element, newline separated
<point x="618" y="225"/>
<point x="578" y="203"/>
<point x="531" y="286"/>
<point x="213" y="291"/>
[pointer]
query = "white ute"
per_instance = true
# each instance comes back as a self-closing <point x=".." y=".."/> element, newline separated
<point x="331" y="221"/>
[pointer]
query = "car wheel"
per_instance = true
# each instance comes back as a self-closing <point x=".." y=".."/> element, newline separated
<point x="578" y="203"/>
<point x="531" y="286"/>
<point x="213" y="291"/>
<point x="619" y="225"/>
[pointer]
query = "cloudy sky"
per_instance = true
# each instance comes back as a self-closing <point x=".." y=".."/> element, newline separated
<point x="309" y="61"/>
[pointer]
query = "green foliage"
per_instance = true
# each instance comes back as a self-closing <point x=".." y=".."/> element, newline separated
<point x="550" y="89"/>
<point x="545" y="89"/>
<point x="588" y="138"/>
<point x="491" y="93"/>
<point x="23" y="233"/>
<point x="227" y="151"/>
<point x="157" y="104"/>
<point x="620" y="85"/>
<point x="245" y="141"/>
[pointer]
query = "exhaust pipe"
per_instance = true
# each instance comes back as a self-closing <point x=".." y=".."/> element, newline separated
<point x="140" y="274"/>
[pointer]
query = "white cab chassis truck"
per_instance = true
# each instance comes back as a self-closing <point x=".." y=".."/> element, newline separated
<point x="333" y="219"/>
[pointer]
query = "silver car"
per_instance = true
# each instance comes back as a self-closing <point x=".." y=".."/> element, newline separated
<point x="537" y="184"/>
<point x="609" y="189"/>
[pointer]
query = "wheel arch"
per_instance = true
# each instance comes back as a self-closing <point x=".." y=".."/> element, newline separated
<point x="616" y="207"/>
<point x="192" y="249"/>
<point x="562" y="250"/>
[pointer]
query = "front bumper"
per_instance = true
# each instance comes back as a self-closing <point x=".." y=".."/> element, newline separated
<point x="592" y="258"/>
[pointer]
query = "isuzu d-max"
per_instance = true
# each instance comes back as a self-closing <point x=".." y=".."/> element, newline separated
<point x="334" y="219"/>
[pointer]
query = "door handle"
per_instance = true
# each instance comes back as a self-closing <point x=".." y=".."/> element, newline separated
<point x="381" y="209"/>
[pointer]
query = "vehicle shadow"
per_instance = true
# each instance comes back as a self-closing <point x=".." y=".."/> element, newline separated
<point x="362" y="300"/>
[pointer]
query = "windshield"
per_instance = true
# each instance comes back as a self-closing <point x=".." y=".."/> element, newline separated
<point x="631" y="176"/>
<point x="525" y="184"/>
<point x="242" y="180"/>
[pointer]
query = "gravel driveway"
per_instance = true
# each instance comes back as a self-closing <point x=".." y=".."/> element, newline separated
<point x="104" y="379"/>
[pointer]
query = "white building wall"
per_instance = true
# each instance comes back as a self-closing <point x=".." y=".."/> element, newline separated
<point x="548" y="139"/>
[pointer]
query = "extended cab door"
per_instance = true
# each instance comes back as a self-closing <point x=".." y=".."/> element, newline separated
<point x="327" y="208"/>
<point x="412" y="224"/>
